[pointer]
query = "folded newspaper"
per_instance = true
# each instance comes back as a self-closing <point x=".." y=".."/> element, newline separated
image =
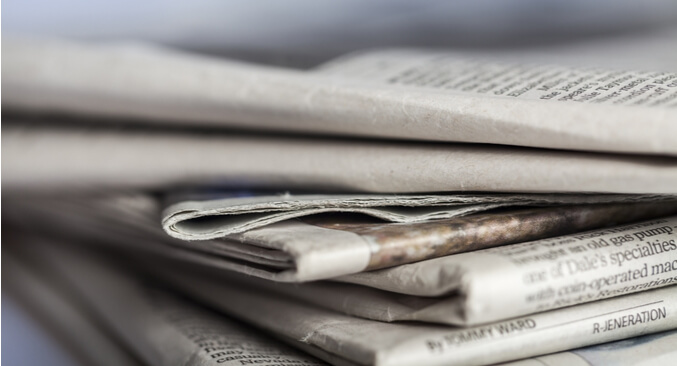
<point x="150" y="321"/>
<point x="370" y="342"/>
<point x="215" y="338"/>
<point x="134" y="116"/>
<point x="454" y="289"/>
<point x="403" y="94"/>
<point x="504" y="282"/>
<point x="321" y="247"/>
<point x="132" y="322"/>
<point x="116" y="157"/>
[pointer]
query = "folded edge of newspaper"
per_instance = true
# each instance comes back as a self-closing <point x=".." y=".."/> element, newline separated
<point x="297" y="251"/>
<point x="202" y="219"/>
<point x="119" y="157"/>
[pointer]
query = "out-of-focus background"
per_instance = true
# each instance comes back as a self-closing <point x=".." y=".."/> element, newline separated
<point x="303" y="33"/>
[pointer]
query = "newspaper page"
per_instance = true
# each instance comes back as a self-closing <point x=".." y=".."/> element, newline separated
<point x="119" y="158"/>
<point x="322" y="247"/>
<point x="533" y="276"/>
<point x="196" y="216"/>
<point x="400" y="94"/>
<point x="452" y="72"/>
<point x="652" y="349"/>
<point x="371" y="342"/>
<point x="161" y="327"/>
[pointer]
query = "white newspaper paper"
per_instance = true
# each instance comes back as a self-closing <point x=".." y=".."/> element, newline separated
<point x="528" y="277"/>
<point x="369" y="342"/>
<point x="401" y="94"/>
<point x="167" y="330"/>
<point x="652" y="349"/>
<point x="76" y="159"/>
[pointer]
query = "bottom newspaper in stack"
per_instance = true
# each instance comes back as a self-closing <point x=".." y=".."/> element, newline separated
<point x="102" y="315"/>
<point x="499" y="296"/>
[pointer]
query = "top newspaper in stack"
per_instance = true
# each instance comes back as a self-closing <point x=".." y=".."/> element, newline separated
<point x="412" y="95"/>
<point x="396" y="94"/>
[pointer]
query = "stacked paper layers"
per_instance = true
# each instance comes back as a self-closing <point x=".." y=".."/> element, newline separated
<point x="387" y="208"/>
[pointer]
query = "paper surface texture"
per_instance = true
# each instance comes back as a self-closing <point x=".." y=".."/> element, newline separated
<point x="119" y="158"/>
<point x="534" y="276"/>
<point x="369" y="342"/>
<point x="652" y="349"/>
<point x="351" y="96"/>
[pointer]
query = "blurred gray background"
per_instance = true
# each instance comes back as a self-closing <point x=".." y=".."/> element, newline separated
<point x="305" y="32"/>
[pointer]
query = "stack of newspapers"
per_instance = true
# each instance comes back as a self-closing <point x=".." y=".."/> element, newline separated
<point x="389" y="207"/>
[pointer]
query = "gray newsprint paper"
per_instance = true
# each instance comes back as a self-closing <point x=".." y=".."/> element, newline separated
<point x="399" y="94"/>
<point x="119" y="157"/>
<point x="160" y="327"/>
<point x="67" y="320"/>
<point x="200" y="217"/>
<point x="321" y="247"/>
<point x="371" y="342"/>
<point x="649" y="350"/>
